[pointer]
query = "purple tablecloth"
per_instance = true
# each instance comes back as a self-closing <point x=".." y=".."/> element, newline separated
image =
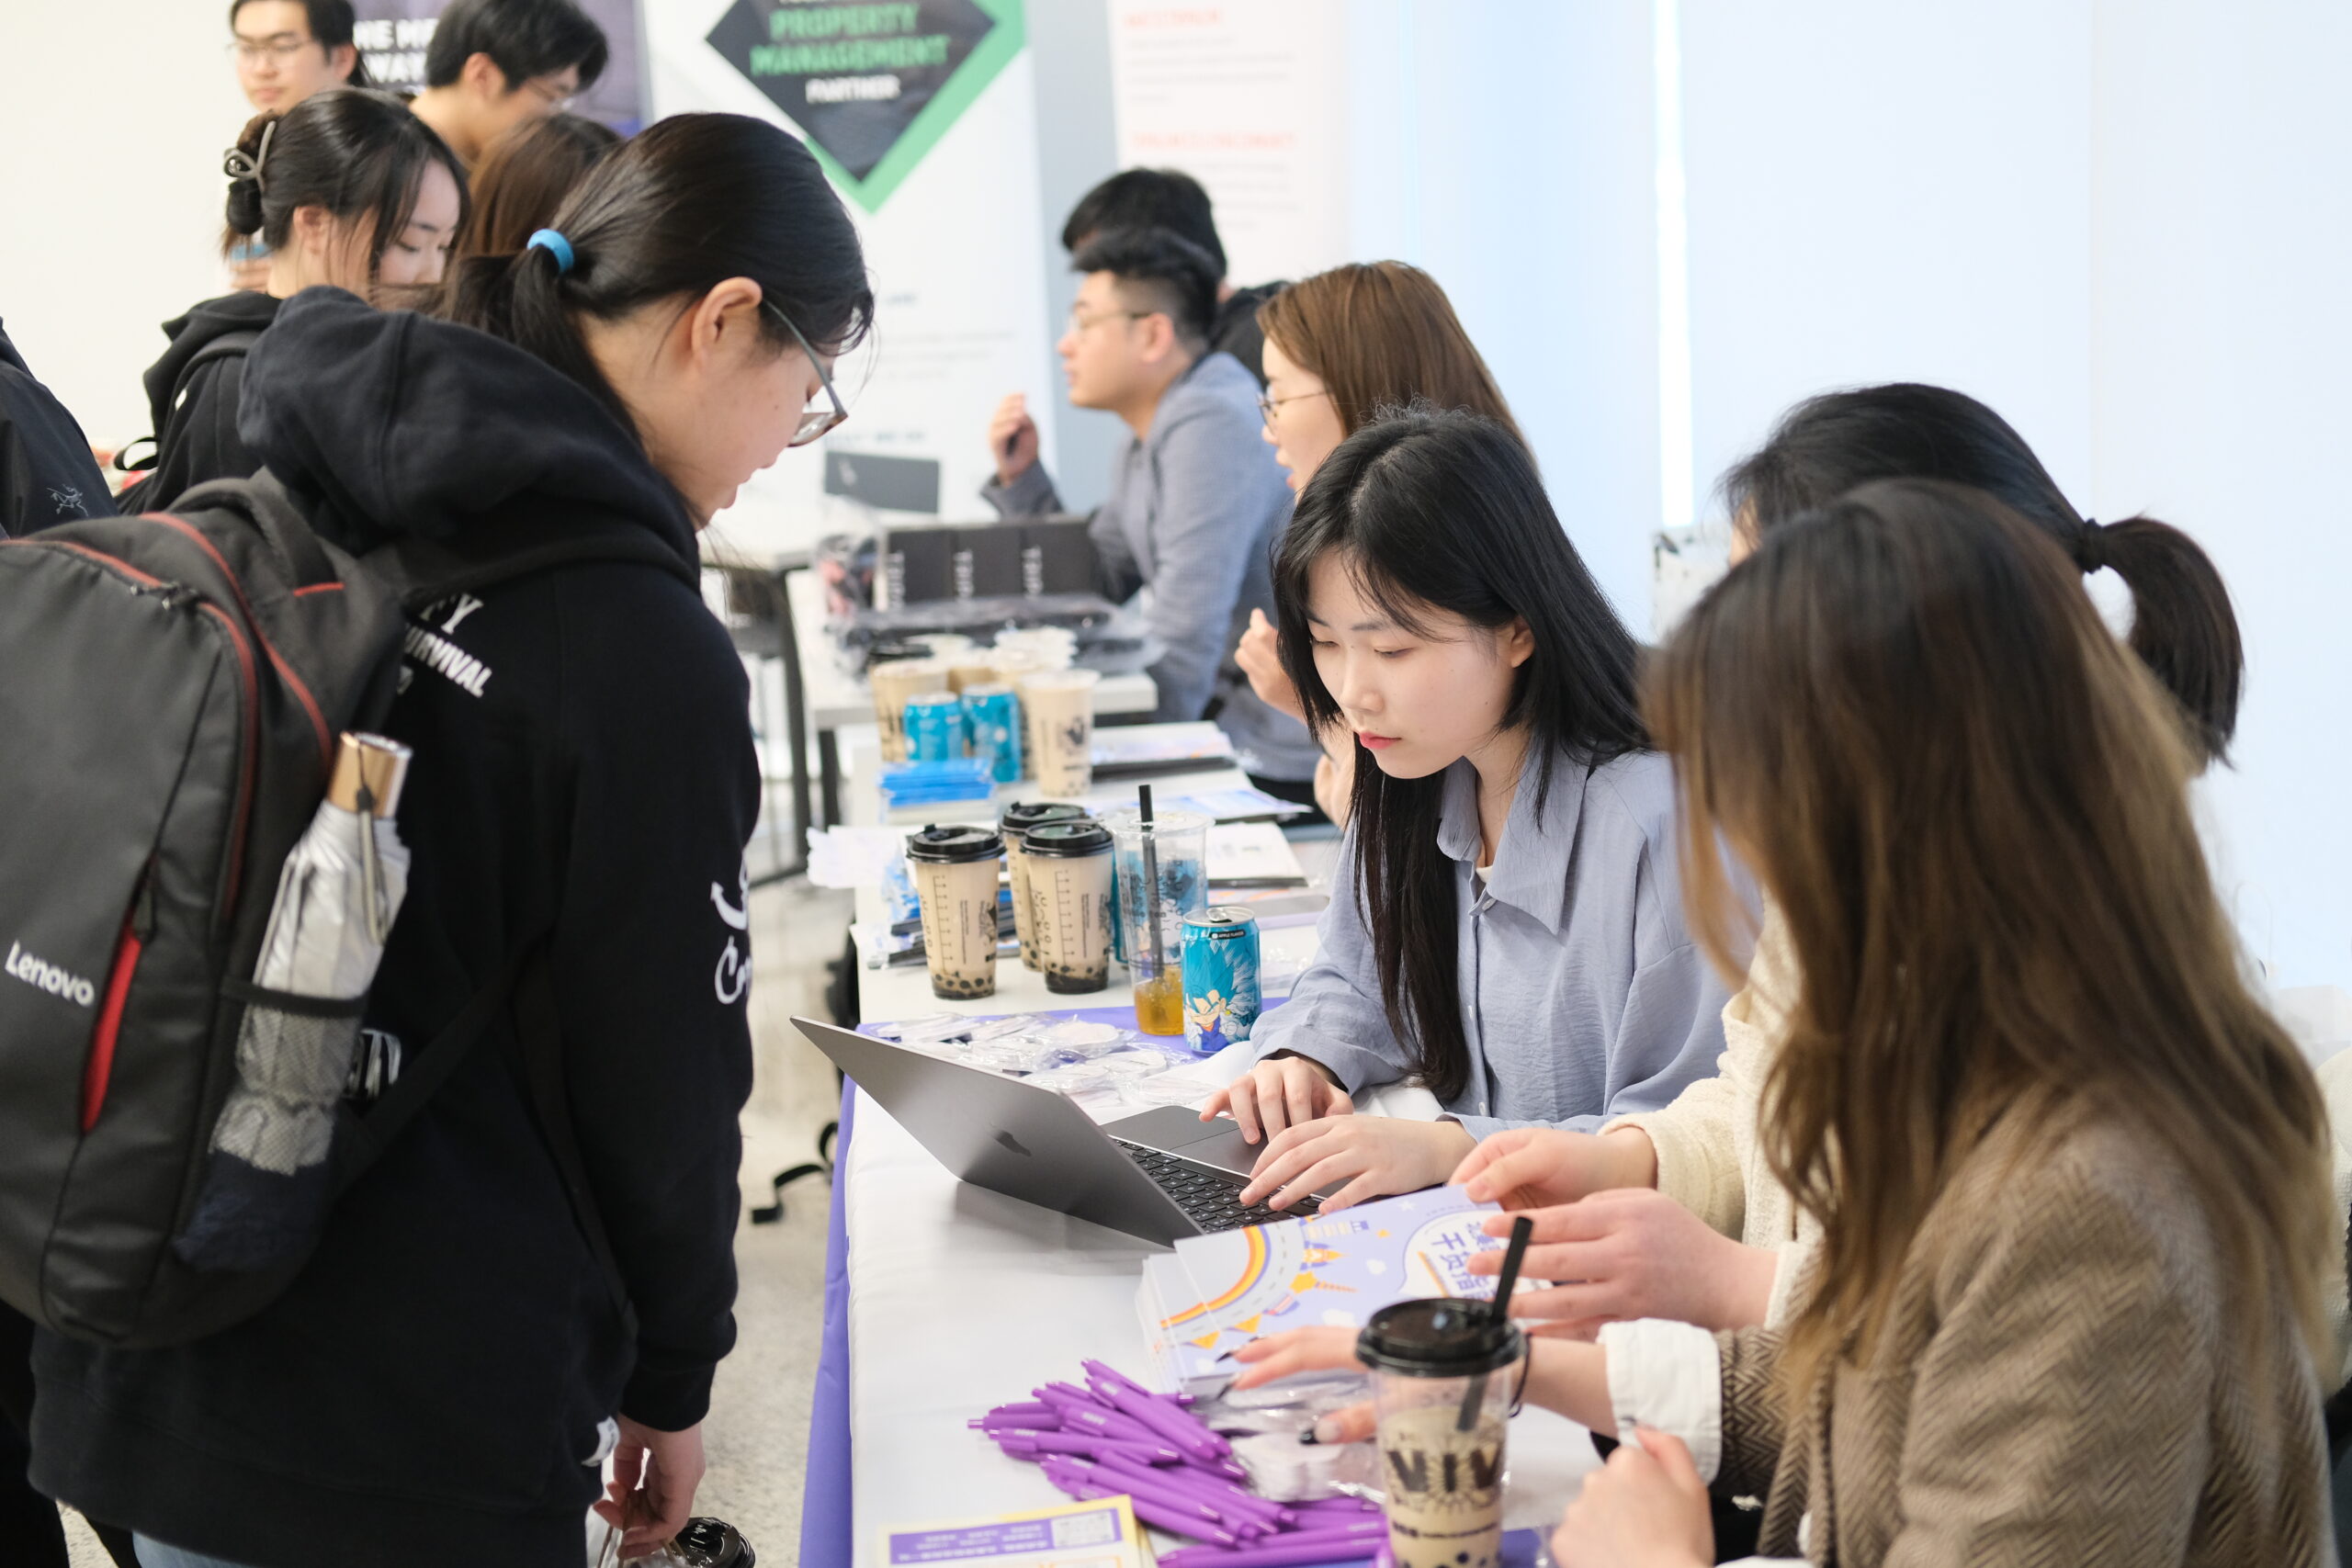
<point x="827" y="1529"/>
<point x="825" y="1525"/>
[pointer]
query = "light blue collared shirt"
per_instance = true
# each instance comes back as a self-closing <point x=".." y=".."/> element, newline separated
<point x="1584" y="996"/>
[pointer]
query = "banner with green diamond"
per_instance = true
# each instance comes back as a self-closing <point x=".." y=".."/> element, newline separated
<point x="872" y="86"/>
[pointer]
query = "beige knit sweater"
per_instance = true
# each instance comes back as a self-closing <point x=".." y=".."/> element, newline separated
<point x="1709" y="1161"/>
<point x="1708" y="1157"/>
<point x="2065" y="1378"/>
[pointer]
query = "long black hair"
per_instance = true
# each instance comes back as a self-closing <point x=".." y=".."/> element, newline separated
<point x="354" y="151"/>
<point x="688" y="203"/>
<point x="2182" y="624"/>
<point x="1432" y="514"/>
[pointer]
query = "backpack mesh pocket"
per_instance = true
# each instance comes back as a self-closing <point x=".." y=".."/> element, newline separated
<point x="265" y="1181"/>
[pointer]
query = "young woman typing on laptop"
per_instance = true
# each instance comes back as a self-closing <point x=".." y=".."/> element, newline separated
<point x="1506" y="925"/>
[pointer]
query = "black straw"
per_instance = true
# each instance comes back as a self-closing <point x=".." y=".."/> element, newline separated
<point x="1499" y="1310"/>
<point x="1151" y="884"/>
<point x="1521" y="1230"/>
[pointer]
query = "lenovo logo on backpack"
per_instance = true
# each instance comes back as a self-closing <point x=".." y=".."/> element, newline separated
<point x="23" y="965"/>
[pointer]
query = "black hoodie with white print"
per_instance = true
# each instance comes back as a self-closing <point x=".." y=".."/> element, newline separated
<point x="434" y="1387"/>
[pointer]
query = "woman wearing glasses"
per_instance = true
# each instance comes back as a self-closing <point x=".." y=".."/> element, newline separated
<point x="441" y="1381"/>
<point x="1341" y="346"/>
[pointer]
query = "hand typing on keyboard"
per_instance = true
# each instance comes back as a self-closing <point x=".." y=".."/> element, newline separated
<point x="1373" y="1155"/>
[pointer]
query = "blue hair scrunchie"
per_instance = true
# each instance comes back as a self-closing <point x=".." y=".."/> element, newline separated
<point x="556" y="245"/>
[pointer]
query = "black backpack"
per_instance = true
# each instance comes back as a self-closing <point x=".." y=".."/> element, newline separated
<point x="175" y="689"/>
<point x="228" y="346"/>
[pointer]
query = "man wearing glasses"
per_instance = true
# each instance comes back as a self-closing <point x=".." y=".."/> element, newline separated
<point x="495" y="63"/>
<point x="287" y="49"/>
<point x="1196" y="496"/>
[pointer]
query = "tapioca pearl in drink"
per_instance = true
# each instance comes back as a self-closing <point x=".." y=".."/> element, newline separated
<point x="954" y="872"/>
<point x="1069" y="881"/>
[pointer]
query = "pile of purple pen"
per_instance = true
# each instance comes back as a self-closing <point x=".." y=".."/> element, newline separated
<point x="1116" y="1437"/>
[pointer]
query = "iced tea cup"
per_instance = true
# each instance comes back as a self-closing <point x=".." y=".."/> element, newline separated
<point x="954" y="872"/>
<point x="1014" y="824"/>
<point x="1445" y="1373"/>
<point x="1060" y="705"/>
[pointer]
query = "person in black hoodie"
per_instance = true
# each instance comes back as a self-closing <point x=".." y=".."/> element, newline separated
<point x="346" y="188"/>
<point x="432" y="1387"/>
<point x="47" y="475"/>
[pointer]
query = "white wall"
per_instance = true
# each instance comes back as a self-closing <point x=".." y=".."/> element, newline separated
<point x="111" y="132"/>
<point x="2123" y="225"/>
<point x="2221" y="332"/>
<point x="1505" y="146"/>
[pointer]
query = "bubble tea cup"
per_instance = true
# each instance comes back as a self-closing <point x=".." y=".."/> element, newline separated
<point x="954" y="872"/>
<point x="1445" y="1376"/>
<point x="1060" y="704"/>
<point x="1014" y="823"/>
<point x="1070" y="883"/>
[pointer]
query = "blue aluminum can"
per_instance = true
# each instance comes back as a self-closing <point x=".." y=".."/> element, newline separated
<point x="1221" y="995"/>
<point x="993" y="724"/>
<point x="934" y="727"/>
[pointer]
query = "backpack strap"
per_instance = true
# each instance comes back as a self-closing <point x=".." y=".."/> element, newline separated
<point x="363" y="1142"/>
<point x="524" y="982"/>
<point x="263" y="501"/>
<point x="540" y="1032"/>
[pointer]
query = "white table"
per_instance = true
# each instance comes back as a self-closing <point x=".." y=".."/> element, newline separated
<point x="960" y="1298"/>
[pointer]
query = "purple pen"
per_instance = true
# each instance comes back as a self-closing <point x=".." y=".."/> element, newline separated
<point x="1230" y="1501"/>
<point x="1158" y="1486"/>
<point x="1069" y="1481"/>
<point x="1276" y="1553"/>
<point x="1019" y="1412"/>
<point x="1028" y="1445"/>
<point x="1182" y="1429"/>
<point x="1176" y="1425"/>
<point x="1279" y="1553"/>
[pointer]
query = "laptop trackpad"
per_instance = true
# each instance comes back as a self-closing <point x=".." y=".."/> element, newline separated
<point x="1175" y="1130"/>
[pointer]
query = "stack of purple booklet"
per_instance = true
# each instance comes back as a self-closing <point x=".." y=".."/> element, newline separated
<point x="1116" y="1437"/>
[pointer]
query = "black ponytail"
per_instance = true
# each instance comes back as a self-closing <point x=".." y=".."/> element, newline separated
<point x="688" y="203"/>
<point x="354" y="152"/>
<point x="2182" y="626"/>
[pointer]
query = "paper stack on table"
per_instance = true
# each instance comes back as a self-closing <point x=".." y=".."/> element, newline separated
<point x="1076" y="1535"/>
<point x="1217" y="1293"/>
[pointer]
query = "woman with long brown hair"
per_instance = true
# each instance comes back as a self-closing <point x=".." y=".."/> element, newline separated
<point x="524" y="178"/>
<point x="2069" y="1177"/>
<point x="1340" y="347"/>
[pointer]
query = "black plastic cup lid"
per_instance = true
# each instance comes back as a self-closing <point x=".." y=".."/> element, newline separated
<point x="1446" y="1337"/>
<point x="891" y="652"/>
<point x="953" y="846"/>
<point x="1074" y="840"/>
<point x="1017" y="818"/>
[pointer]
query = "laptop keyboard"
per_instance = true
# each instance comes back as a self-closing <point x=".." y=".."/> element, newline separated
<point x="1212" y="1200"/>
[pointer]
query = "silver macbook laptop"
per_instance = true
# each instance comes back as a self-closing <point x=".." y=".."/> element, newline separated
<point x="1159" y="1176"/>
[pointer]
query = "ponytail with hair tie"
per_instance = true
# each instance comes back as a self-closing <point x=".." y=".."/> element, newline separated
<point x="552" y="241"/>
<point x="2090" y="546"/>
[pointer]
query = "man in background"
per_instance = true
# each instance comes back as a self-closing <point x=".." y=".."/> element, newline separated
<point x="1174" y="200"/>
<point x="1196" y="496"/>
<point x="495" y="63"/>
<point x="287" y="49"/>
